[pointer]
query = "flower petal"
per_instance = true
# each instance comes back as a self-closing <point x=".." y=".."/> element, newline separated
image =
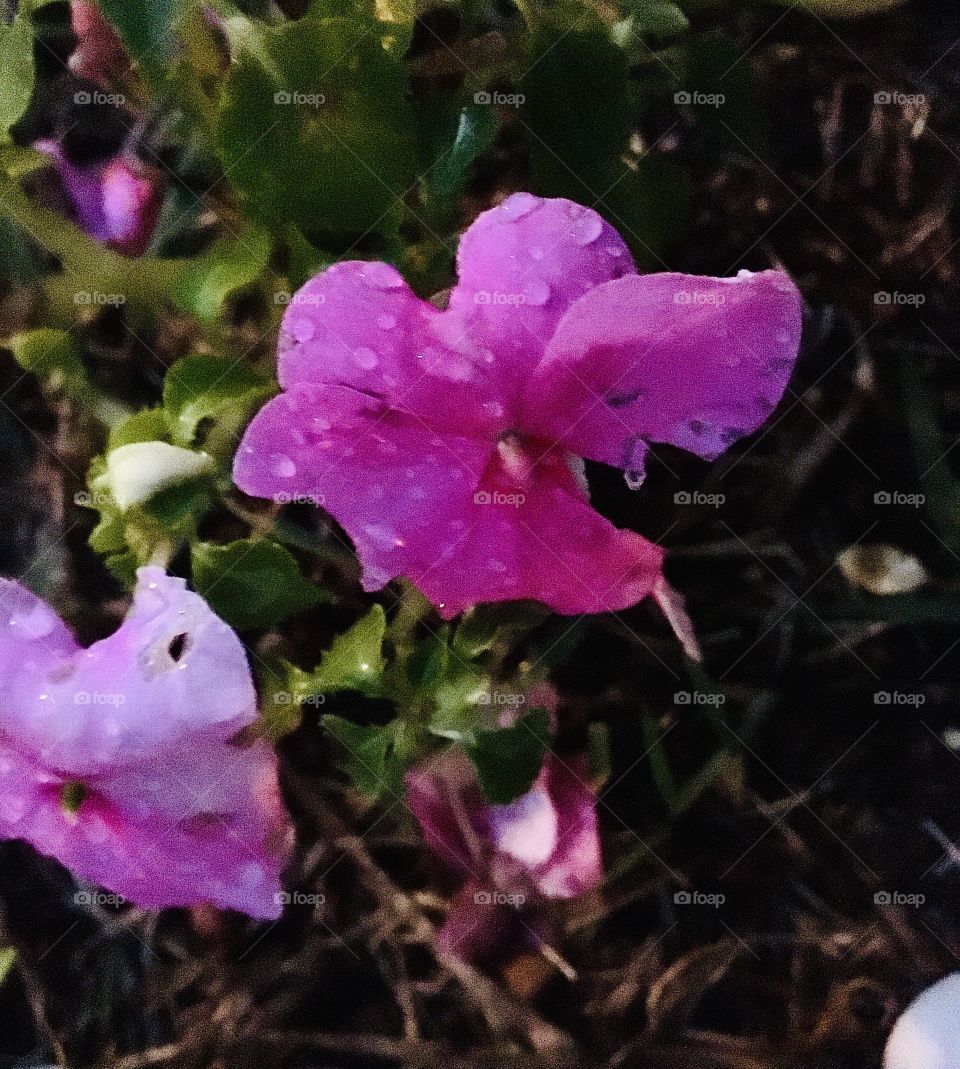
<point x="696" y="362"/>
<point x="575" y="865"/>
<point x="172" y="810"/>
<point x="522" y="264"/>
<point x="358" y="324"/>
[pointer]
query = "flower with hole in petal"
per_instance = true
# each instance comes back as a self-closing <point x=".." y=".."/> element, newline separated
<point x="448" y="444"/>
<point x="127" y="761"/>
<point x="545" y="845"/>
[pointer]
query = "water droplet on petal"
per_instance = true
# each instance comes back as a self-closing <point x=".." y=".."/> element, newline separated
<point x="365" y="359"/>
<point x="319" y="424"/>
<point x="283" y="466"/>
<point x="537" y="292"/>
<point x="518" y="205"/>
<point x="386" y="321"/>
<point x="615" y="251"/>
<point x="536" y="252"/>
<point x="496" y="566"/>
<point x="494" y="409"/>
<point x="587" y="229"/>
<point x="302" y="329"/>
<point x="381" y="276"/>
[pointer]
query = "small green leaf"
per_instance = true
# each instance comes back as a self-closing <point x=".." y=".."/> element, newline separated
<point x="355" y="660"/>
<point x="16" y="70"/>
<point x="230" y="264"/>
<point x="8" y="958"/>
<point x="509" y="760"/>
<point x="452" y="137"/>
<point x="369" y="749"/>
<point x="49" y="354"/>
<point x="251" y="584"/>
<point x="209" y="387"/>
<point x="427" y="664"/>
<point x="147" y="425"/>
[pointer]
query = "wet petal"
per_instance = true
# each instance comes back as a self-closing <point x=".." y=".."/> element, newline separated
<point x="696" y="362"/>
<point x="521" y="265"/>
<point x="141" y="727"/>
<point x="358" y="324"/>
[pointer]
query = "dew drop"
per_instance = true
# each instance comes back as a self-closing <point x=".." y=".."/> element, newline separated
<point x="365" y="359"/>
<point x="517" y="206"/>
<point x="587" y="229"/>
<point x="494" y="409"/>
<point x="537" y="292"/>
<point x="302" y="329"/>
<point x="536" y="252"/>
<point x="386" y="321"/>
<point x="283" y="466"/>
<point x="615" y="251"/>
<point x="319" y="424"/>
<point x="496" y="566"/>
<point x="381" y="276"/>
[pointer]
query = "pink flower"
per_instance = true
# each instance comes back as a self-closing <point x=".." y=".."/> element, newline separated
<point x="99" y="55"/>
<point x="448" y="443"/>
<point x="545" y="845"/>
<point x="116" y="200"/>
<point x="123" y="760"/>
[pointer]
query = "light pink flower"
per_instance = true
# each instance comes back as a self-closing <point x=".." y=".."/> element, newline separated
<point x="545" y="845"/>
<point x="99" y="55"/>
<point x="448" y="443"/>
<point x="122" y="760"/>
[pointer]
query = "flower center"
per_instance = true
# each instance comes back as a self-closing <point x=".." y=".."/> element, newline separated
<point x="72" y="794"/>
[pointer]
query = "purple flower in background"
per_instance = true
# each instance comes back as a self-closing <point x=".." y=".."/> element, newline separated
<point x="115" y="200"/>
<point x="449" y="444"/>
<point x="125" y="760"/>
<point x="545" y="845"/>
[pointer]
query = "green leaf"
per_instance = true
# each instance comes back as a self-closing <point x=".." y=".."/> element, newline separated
<point x="427" y="665"/>
<point x="509" y="760"/>
<point x="316" y="129"/>
<point x="452" y="137"/>
<point x="658" y="20"/>
<point x="487" y="626"/>
<point x="210" y="387"/>
<point x="369" y="749"/>
<point x="354" y="661"/>
<point x="16" y="70"/>
<point x="147" y="28"/>
<point x="230" y="264"/>
<point x="147" y="425"/>
<point x="251" y="584"/>
<point x="576" y="82"/>
<point x="8" y="958"/>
